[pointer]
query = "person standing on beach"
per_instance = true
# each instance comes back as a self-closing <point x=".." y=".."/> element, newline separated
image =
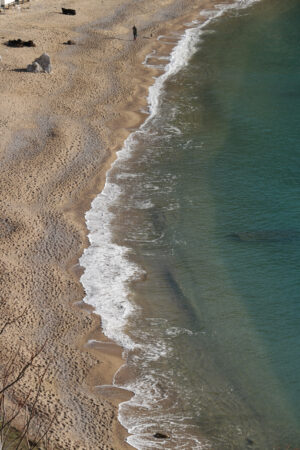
<point x="134" y="30"/>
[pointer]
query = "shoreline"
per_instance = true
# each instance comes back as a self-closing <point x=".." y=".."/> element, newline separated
<point x="55" y="215"/>
<point x="170" y="40"/>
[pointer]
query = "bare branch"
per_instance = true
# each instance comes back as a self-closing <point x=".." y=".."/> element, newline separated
<point x="21" y="406"/>
<point x="23" y="370"/>
<point x="12" y="372"/>
<point x="46" y="432"/>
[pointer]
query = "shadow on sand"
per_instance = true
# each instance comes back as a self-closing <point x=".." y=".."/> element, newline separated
<point x="19" y="70"/>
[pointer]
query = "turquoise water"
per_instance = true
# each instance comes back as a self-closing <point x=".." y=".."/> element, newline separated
<point x="224" y="156"/>
<point x="209" y="208"/>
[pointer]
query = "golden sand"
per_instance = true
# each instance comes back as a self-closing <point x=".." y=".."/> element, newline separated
<point x="59" y="135"/>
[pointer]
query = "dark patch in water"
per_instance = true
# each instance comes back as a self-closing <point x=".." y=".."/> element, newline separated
<point x="265" y="236"/>
<point x="249" y="442"/>
<point x="159" y="221"/>
<point x="181" y="300"/>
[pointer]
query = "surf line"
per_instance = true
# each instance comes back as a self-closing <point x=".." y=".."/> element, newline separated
<point x="108" y="270"/>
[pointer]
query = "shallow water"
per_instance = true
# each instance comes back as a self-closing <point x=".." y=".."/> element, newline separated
<point x="194" y="256"/>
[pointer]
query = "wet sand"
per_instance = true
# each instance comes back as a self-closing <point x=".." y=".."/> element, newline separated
<point x="59" y="135"/>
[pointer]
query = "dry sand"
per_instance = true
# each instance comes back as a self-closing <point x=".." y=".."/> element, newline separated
<point x="59" y="134"/>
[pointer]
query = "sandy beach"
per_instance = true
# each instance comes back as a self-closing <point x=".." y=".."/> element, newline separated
<point x="59" y="135"/>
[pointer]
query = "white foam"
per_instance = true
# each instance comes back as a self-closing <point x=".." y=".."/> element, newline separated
<point x="95" y="341"/>
<point x="143" y="204"/>
<point x="108" y="271"/>
<point x="176" y="331"/>
<point x="172" y="130"/>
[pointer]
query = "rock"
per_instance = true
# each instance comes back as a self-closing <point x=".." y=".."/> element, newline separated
<point x="249" y="441"/>
<point x="19" y="43"/>
<point x="34" y="67"/>
<point x="70" y="12"/>
<point x="41" y="64"/>
<point x="70" y="42"/>
<point x="15" y="43"/>
<point x="159" y="435"/>
<point x="29" y="44"/>
<point x="44" y="62"/>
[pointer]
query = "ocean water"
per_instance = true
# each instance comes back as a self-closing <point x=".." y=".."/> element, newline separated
<point x="195" y="240"/>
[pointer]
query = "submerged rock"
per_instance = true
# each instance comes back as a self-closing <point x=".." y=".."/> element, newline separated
<point x="266" y="236"/>
<point x="159" y="435"/>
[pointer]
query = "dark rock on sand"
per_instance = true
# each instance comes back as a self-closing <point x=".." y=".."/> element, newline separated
<point x="70" y="42"/>
<point x="19" y="43"/>
<point x="159" y="435"/>
<point x="265" y="236"/>
<point x="70" y="12"/>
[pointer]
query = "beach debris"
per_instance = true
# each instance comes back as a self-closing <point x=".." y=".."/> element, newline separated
<point x="265" y="236"/>
<point x="70" y="42"/>
<point x="41" y="64"/>
<point x="159" y="435"/>
<point x="70" y="12"/>
<point x="19" y="43"/>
